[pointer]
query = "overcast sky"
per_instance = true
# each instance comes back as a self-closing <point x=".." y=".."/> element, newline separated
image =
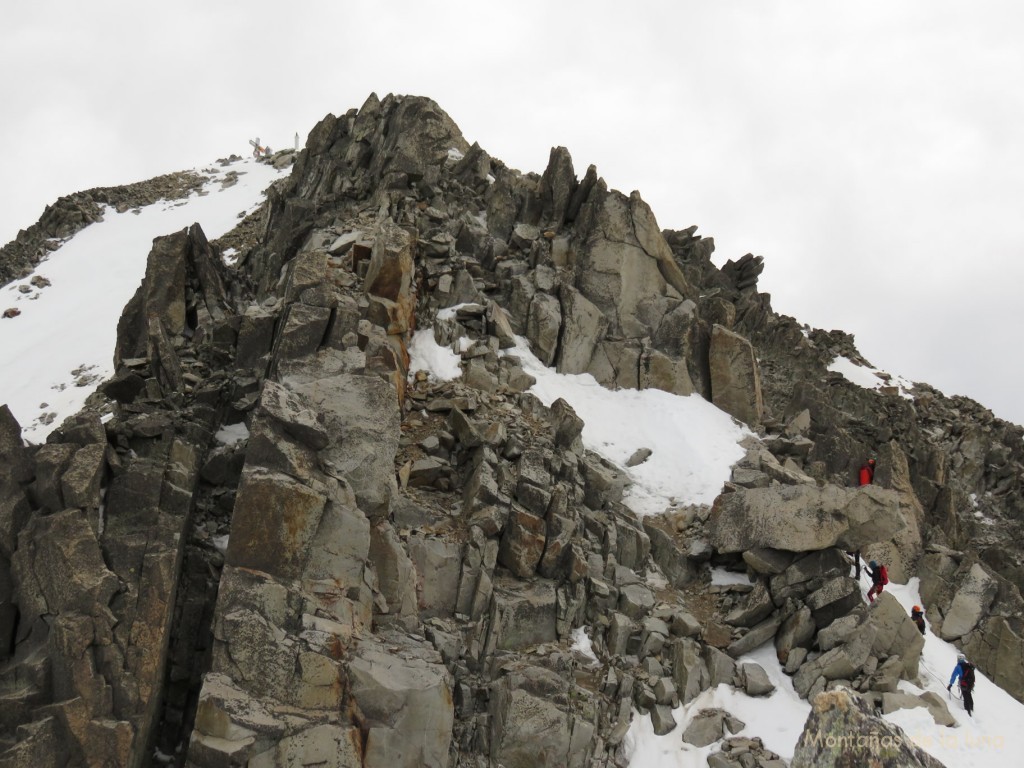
<point x="872" y="152"/>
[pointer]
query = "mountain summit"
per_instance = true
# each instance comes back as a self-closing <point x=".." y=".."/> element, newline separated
<point x="431" y="462"/>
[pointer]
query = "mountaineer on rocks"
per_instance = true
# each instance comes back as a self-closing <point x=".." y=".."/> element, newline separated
<point x="917" y="615"/>
<point x="879" y="578"/>
<point x="866" y="475"/>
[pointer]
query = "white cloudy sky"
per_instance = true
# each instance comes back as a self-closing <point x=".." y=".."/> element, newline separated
<point x="873" y="152"/>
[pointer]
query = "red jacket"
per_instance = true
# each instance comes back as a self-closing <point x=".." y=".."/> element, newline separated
<point x="867" y="474"/>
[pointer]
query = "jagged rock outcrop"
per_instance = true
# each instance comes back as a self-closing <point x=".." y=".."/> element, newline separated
<point x="841" y="731"/>
<point x="744" y="272"/>
<point x="977" y="609"/>
<point x="94" y="581"/>
<point x="72" y="213"/>
<point x="281" y="544"/>
<point x="182" y="294"/>
<point x="735" y="378"/>
<point x="802" y="518"/>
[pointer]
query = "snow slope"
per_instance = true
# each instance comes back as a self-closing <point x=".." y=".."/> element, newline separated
<point x="66" y="332"/>
<point x="693" y="443"/>
<point x="868" y="378"/>
<point x="993" y="737"/>
<point x="694" y="447"/>
<point x="61" y="346"/>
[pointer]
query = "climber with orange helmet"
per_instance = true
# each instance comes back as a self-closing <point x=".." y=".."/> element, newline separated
<point x="918" y="616"/>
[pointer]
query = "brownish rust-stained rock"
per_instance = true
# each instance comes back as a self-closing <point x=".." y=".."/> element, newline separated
<point x="389" y="280"/>
<point x="275" y="521"/>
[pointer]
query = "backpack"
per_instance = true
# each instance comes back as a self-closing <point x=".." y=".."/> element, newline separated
<point x="884" y="575"/>
<point x="966" y="675"/>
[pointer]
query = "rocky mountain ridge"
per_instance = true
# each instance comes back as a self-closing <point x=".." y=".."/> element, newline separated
<point x="407" y="561"/>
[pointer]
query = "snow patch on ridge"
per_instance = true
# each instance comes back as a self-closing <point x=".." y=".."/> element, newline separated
<point x="869" y="378"/>
<point x="61" y="345"/>
<point x="425" y="354"/>
<point x="232" y="434"/>
<point x="693" y="444"/>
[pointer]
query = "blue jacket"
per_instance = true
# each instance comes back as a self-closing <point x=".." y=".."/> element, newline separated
<point x="958" y="671"/>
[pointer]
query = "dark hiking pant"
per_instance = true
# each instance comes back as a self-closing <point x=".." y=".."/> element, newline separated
<point x="968" y="699"/>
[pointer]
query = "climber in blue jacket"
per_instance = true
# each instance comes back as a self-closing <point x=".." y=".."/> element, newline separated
<point x="964" y="670"/>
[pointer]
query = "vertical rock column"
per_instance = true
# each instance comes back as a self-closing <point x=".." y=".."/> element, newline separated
<point x="735" y="377"/>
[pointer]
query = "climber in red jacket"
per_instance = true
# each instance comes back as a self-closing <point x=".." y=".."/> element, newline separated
<point x="879" y="578"/>
<point x="867" y="472"/>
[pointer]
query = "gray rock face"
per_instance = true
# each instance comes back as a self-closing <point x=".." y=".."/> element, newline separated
<point x="895" y="634"/>
<point x="745" y="271"/>
<point x="767" y="561"/>
<point x="663" y="720"/>
<point x="528" y="728"/>
<point x="166" y="297"/>
<point x="406" y="700"/>
<point x="670" y="558"/>
<point x="754" y="637"/>
<point x="709" y="726"/>
<point x="94" y="599"/>
<point x="278" y="519"/>
<point x="82" y="481"/>
<point x="802" y="518"/>
<point x="689" y="671"/>
<point x="437" y="562"/>
<point x="624" y="266"/>
<point x="797" y="631"/>
<point x="389" y="280"/>
<point x="408" y="559"/>
<point x="52" y="462"/>
<point x="523" y="543"/>
<point x="735" y="378"/>
<point x="523" y="615"/>
<point x="659" y="371"/>
<point x="721" y="668"/>
<point x="807" y="573"/>
<point x="304" y="328"/>
<point x="363" y="409"/>
<point x="74" y="576"/>
<point x="543" y="324"/>
<point x="616" y="364"/>
<point x="757" y="607"/>
<point x="833" y="599"/>
<point x="755" y="680"/>
<point x="971" y="601"/>
<point x="997" y="639"/>
<point x="396" y="572"/>
<point x="557" y="187"/>
<point x="583" y="326"/>
<point x="841" y="731"/>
